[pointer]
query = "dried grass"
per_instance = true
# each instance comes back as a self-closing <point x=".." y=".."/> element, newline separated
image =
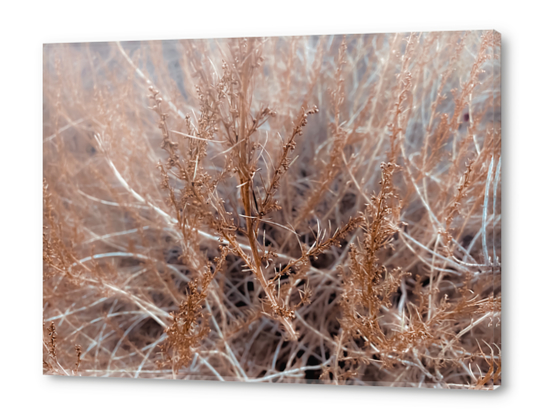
<point x="302" y="209"/>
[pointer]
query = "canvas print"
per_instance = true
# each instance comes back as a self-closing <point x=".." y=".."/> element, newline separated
<point x="313" y="209"/>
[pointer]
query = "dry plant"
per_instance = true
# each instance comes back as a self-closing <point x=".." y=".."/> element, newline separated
<point x="320" y="209"/>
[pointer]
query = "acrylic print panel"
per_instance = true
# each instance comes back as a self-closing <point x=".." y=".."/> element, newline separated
<point x="319" y="209"/>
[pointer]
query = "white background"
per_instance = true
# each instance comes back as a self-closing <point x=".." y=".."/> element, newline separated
<point x="25" y="26"/>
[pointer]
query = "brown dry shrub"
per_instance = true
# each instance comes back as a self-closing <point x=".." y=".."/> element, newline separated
<point x="294" y="209"/>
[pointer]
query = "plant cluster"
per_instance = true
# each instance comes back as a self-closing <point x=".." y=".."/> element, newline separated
<point x="295" y="209"/>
